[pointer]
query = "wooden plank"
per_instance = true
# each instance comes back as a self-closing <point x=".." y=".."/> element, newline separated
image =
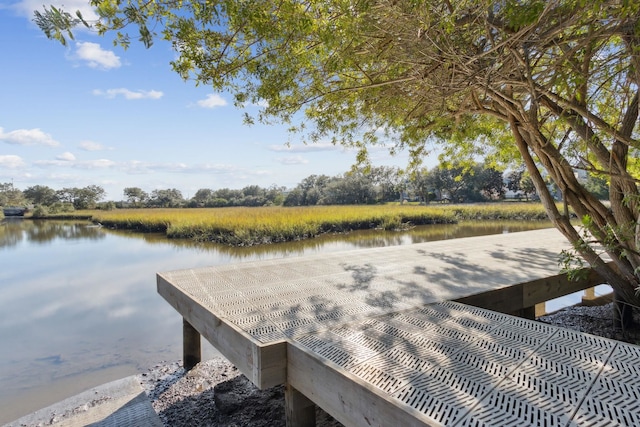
<point x="347" y="398"/>
<point x="299" y="410"/>
<point x="520" y="296"/>
<point x="546" y="289"/>
<point x="504" y="300"/>
<point x="265" y="366"/>
<point x="271" y="366"/>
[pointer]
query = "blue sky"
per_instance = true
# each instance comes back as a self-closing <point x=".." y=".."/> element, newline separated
<point x="91" y="113"/>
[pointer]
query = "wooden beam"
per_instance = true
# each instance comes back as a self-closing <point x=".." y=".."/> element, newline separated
<point x="524" y="296"/>
<point x="300" y="411"/>
<point x="349" y="399"/>
<point x="191" y="353"/>
<point x="546" y="289"/>
<point x="264" y="365"/>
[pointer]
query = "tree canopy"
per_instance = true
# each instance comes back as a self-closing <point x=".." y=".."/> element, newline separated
<point x="552" y="84"/>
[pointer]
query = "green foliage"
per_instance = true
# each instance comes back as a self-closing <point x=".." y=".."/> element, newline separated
<point x="57" y="24"/>
<point x="551" y="85"/>
<point x="41" y="195"/>
<point x="10" y="196"/>
<point x="572" y="265"/>
<point x="136" y="196"/>
<point x="597" y="186"/>
<point x="61" y="207"/>
<point x="40" y="212"/>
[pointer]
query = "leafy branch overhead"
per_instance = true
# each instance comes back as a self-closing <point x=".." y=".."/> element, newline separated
<point x="552" y="85"/>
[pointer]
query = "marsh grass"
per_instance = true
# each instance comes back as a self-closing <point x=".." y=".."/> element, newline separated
<point x="243" y="226"/>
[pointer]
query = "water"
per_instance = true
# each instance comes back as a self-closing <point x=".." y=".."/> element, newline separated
<point x="79" y="307"/>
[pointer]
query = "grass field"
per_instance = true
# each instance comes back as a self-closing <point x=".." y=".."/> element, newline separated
<point x="250" y="226"/>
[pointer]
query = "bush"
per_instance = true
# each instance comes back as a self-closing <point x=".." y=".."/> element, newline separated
<point x="40" y="212"/>
<point x="61" y="207"/>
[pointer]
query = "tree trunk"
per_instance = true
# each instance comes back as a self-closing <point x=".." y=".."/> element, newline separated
<point x="624" y="285"/>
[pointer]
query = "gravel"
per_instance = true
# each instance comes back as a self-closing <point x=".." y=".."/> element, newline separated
<point x="216" y="394"/>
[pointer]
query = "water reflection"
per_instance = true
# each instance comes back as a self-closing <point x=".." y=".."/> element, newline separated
<point x="345" y="241"/>
<point x="79" y="307"/>
<point x="13" y="231"/>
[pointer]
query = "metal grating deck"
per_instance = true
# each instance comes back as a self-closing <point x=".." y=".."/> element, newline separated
<point x="462" y="366"/>
<point x="284" y="298"/>
<point x="373" y="322"/>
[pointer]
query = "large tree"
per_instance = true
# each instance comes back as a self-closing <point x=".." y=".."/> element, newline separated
<point x="135" y="195"/>
<point x="552" y="83"/>
<point x="41" y="195"/>
<point x="10" y="196"/>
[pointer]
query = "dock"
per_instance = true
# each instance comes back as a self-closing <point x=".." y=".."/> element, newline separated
<point x="375" y="338"/>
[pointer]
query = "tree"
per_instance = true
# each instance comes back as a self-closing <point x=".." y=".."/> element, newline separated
<point x="488" y="182"/>
<point x="202" y="197"/>
<point x="448" y="183"/>
<point x="513" y="181"/>
<point x="527" y="186"/>
<point x="388" y="182"/>
<point x="294" y="197"/>
<point x="421" y="185"/>
<point x="552" y="84"/>
<point x="135" y="196"/>
<point x="66" y="195"/>
<point x="352" y="189"/>
<point x="10" y="196"/>
<point x="41" y="195"/>
<point x="598" y="186"/>
<point x="309" y="191"/>
<point x="87" y="197"/>
<point x="169" y="198"/>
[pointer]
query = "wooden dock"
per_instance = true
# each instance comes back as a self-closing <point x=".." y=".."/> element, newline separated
<point x="369" y="337"/>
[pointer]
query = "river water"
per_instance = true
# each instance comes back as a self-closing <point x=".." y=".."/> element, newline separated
<point x="78" y="303"/>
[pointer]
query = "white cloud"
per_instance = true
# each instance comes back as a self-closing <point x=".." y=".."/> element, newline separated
<point x="305" y="148"/>
<point x="295" y="160"/>
<point x="128" y="94"/>
<point x="61" y="161"/>
<point x="96" y="57"/>
<point x="26" y="7"/>
<point x="140" y="167"/>
<point x="28" y="137"/>
<point x="95" y="164"/>
<point x="11" y="162"/>
<point x="91" y="146"/>
<point x="212" y="100"/>
<point x="66" y="156"/>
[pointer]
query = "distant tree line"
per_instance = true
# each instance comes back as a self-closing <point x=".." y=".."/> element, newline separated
<point x="48" y="200"/>
<point x="252" y="195"/>
<point x="457" y="184"/>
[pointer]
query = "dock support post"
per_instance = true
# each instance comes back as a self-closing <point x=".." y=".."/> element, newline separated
<point x="300" y="411"/>
<point x="527" y="313"/>
<point x="191" y="354"/>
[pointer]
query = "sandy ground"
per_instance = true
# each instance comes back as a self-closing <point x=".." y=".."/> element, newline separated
<point x="215" y="394"/>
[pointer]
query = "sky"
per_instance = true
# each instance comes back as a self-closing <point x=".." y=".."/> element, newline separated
<point x="94" y="114"/>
